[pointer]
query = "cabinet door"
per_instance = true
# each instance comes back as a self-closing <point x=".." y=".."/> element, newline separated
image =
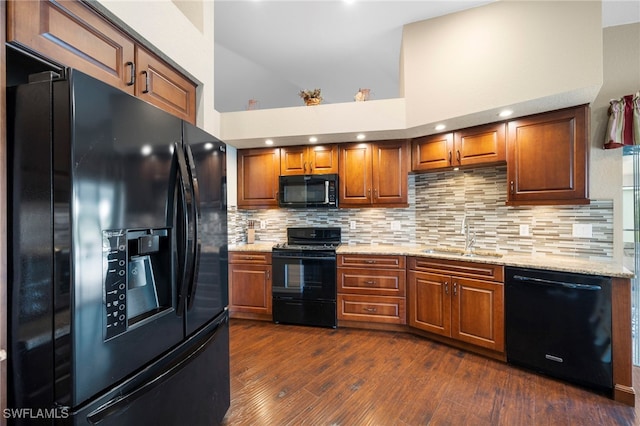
<point x="250" y="288"/>
<point x="430" y="302"/>
<point x="480" y="145"/>
<point x="293" y="161"/>
<point x="71" y="34"/>
<point x="478" y="313"/>
<point x="323" y="159"/>
<point x="355" y="174"/>
<point x="432" y="152"/>
<point x="164" y="87"/>
<point x="390" y="172"/>
<point x="258" y="171"/>
<point x="547" y="158"/>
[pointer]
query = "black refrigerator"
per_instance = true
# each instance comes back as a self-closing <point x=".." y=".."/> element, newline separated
<point x="117" y="260"/>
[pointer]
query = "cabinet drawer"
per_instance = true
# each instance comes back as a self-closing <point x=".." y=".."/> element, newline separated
<point x="258" y="258"/>
<point x="458" y="268"/>
<point x="395" y="262"/>
<point x="385" y="309"/>
<point x="381" y="282"/>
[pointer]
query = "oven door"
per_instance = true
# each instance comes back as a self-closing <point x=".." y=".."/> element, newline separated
<point x="309" y="275"/>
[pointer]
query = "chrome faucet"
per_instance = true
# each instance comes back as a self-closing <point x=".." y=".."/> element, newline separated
<point x="469" y="239"/>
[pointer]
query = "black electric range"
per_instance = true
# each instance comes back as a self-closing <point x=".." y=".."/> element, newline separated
<point x="304" y="277"/>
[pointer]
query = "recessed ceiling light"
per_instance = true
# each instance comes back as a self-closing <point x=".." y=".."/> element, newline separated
<point x="269" y="142"/>
<point x="208" y="146"/>
<point x="505" y="113"/>
<point x="440" y="127"/>
<point x="146" y="150"/>
<point x="361" y="136"/>
<point x="313" y="139"/>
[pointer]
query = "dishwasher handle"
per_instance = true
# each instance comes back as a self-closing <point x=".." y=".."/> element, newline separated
<point x="541" y="281"/>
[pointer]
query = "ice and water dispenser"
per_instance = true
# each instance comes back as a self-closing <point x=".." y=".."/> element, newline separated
<point x="137" y="277"/>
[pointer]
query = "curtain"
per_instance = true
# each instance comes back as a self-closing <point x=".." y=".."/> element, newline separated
<point x="624" y="122"/>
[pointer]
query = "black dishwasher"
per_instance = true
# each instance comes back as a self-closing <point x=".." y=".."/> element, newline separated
<point x="559" y="324"/>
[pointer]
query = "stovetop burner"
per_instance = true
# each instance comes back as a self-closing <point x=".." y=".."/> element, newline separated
<point x="307" y="239"/>
<point x="287" y="246"/>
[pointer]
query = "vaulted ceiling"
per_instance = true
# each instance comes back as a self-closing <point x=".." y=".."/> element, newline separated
<point x="269" y="50"/>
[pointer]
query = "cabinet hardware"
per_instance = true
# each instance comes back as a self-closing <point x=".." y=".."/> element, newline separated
<point x="455" y="289"/>
<point x="511" y="186"/>
<point x="146" y="82"/>
<point x="375" y="193"/>
<point x="132" y="74"/>
<point x="305" y="167"/>
<point x="458" y="156"/>
<point x="368" y="193"/>
<point x="311" y="167"/>
<point x="446" y="287"/>
<point x="268" y="275"/>
<point x="369" y="261"/>
<point x="450" y="157"/>
<point x="370" y="309"/>
<point x="370" y="282"/>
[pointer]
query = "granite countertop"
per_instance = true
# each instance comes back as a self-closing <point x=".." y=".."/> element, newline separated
<point x="579" y="265"/>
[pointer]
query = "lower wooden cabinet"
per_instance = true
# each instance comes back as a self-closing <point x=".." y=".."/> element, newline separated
<point x="460" y="300"/>
<point x="372" y="288"/>
<point x="250" y="285"/>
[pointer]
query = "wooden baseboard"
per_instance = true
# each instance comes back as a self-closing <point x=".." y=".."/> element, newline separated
<point x="625" y="395"/>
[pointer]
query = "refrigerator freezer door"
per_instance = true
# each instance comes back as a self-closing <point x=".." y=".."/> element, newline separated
<point x="117" y="151"/>
<point x="209" y="292"/>
<point x="188" y="386"/>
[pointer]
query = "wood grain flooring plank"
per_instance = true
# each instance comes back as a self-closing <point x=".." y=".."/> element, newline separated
<point x="291" y="375"/>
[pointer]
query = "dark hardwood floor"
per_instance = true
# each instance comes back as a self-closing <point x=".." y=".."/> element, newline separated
<point x="293" y="375"/>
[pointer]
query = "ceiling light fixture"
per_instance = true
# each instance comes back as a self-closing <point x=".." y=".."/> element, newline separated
<point x="440" y="127"/>
<point x="146" y="150"/>
<point x="208" y="146"/>
<point x="361" y="136"/>
<point x="313" y="139"/>
<point x="505" y="113"/>
<point x="269" y="142"/>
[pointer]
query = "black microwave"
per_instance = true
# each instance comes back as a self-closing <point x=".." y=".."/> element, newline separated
<point x="308" y="191"/>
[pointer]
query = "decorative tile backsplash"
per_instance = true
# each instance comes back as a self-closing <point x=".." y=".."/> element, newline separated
<point x="438" y="201"/>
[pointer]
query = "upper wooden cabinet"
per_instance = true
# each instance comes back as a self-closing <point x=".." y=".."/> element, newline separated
<point x="480" y="145"/>
<point x="72" y="34"/>
<point x="161" y="85"/>
<point x="547" y="158"/>
<point x="374" y="174"/>
<point x="258" y="171"/>
<point x="308" y="160"/>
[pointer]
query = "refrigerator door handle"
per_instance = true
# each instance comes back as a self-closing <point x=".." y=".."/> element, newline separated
<point x="197" y="243"/>
<point x="189" y="228"/>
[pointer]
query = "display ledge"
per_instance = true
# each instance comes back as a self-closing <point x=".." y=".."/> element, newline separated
<point x="576" y="264"/>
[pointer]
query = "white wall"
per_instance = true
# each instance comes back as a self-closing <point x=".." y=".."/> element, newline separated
<point x="539" y="54"/>
<point x="168" y="29"/>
